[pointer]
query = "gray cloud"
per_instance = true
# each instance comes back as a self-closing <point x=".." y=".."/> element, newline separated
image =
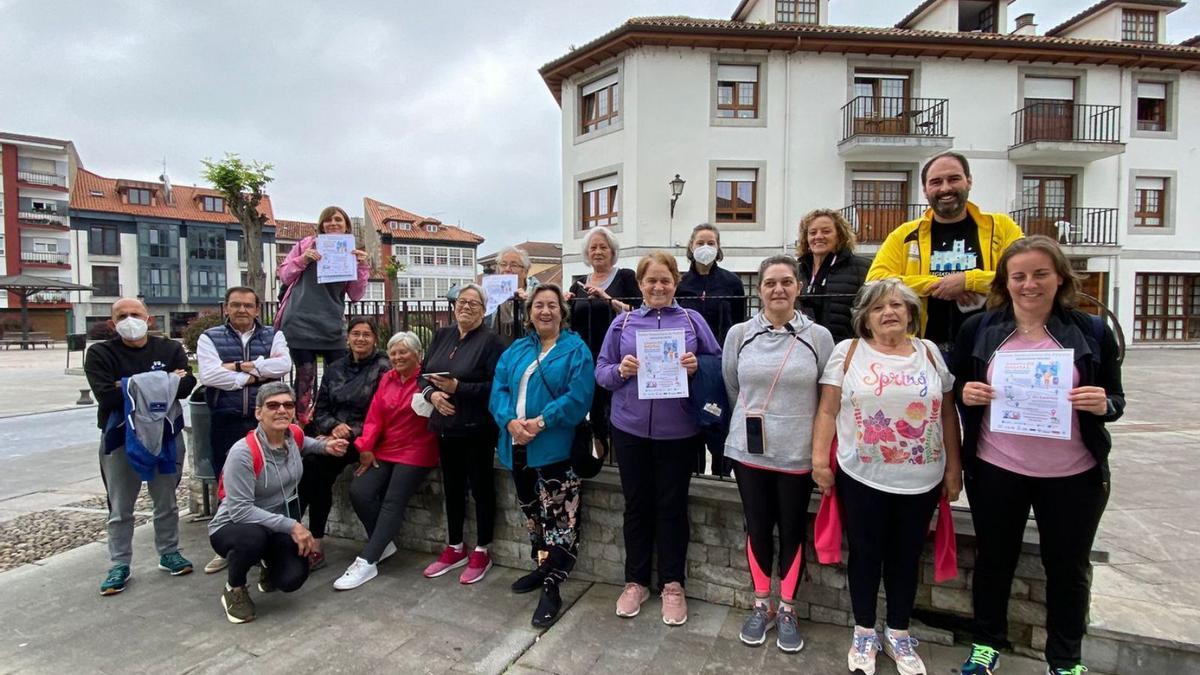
<point x="434" y="107"/>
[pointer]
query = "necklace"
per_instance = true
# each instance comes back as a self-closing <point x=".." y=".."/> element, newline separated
<point x="1030" y="330"/>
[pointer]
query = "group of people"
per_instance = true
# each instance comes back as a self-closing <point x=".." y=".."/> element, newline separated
<point x="867" y="381"/>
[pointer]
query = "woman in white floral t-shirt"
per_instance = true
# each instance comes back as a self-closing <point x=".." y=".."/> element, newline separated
<point x="889" y="398"/>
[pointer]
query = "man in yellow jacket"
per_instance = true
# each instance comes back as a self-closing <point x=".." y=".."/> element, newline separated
<point x="949" y="255"/>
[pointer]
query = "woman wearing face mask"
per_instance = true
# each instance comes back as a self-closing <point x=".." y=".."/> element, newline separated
<point x="543" y="389"/>
<point x="718" y="295"/>
<point x="829" y="270"/>
<point x="595" y="299"/>
<point x="654" y="440"/>
<point x="312" y="314"/>
<point x="342" y="403"/>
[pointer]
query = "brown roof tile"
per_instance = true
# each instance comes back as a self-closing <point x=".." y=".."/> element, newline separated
<point x="91" y="192"/>
<point x="551" y="275"/>
<point x="535" y="249"/>
<point x="293" y="230"/>
<point x="386" y="219"/>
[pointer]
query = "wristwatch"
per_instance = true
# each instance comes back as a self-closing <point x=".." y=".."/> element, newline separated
<point x="541" y="423"/>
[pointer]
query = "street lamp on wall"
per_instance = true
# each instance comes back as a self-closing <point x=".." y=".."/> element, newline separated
<point x="676" y="190"/>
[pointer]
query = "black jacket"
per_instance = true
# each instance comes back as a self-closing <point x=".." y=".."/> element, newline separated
<point x="695" y="291"/>
<point x="590" y="317"/>
<point x="107" y="362"/>
<point x="346" y="392"/>
<point x="829" y="299"/>
<point x="1096" y="362"/>
<point x="472" y="361"/>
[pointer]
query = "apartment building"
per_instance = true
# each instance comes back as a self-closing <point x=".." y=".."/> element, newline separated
<point x="429" y="257"/>
<point x="177" y="247"/>
<point x="1078" y="132"/>
<point x="35" y="183"/>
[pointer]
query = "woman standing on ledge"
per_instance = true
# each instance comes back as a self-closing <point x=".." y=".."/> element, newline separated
<point x="1065" y="481"/>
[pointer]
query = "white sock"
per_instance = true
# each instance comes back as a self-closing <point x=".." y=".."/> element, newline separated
<point x="762" y="602"/>
<point x="481" y="549"/>
<point x="228" y="587"/>
<point x="457" y="547"/>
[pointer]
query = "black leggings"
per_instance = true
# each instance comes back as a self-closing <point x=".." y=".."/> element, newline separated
<point x="379" y="497"/>
<point x="468" y="462"/>
<point x="549" y="500"/>
<point x="1068" y="512"/>
<point x="770" y="500"/>
<point x="655" y="475"/>
<point x="598" y="418"/>
<point x="887" y="534"/>
<point x="321" y="471"/>
<point x="245" y="545"/>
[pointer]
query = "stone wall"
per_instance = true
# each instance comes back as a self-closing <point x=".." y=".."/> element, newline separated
<point x="717" y="566"/>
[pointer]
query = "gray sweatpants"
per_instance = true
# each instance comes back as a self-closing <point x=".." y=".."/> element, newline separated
<point x="123" y="485"/>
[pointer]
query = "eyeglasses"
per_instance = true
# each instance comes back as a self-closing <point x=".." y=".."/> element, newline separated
<point x="510" y="266"/>
<point x="468" y="304"/>
<point x="276" y="405"/>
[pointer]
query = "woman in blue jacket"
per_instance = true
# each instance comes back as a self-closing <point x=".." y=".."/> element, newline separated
<point x="542" y="391"/>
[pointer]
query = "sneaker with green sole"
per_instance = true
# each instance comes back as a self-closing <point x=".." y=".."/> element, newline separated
<point x="114" y="582"/>
<point x="1078" y="669"/>
<point x="239" y="608"/>
<point x="175" y="563"/>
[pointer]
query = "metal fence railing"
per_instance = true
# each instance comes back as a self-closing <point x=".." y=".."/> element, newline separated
<point x="895" y="116"/>
<point x="1067" y="121"/>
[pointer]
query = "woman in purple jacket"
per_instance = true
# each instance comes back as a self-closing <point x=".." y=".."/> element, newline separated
<point x="655" y="441"/>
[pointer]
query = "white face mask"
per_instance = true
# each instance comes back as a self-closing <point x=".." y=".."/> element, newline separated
<point x="705" y="254"/>
<point x="132" y="328"/>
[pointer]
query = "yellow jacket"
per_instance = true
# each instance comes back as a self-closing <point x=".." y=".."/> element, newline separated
<point x="905" y="253"/>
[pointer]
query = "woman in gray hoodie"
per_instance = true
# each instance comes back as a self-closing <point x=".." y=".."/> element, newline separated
<point x="771" y="365"/>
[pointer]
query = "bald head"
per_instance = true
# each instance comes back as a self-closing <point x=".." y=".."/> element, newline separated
<point x="127" y="307"/>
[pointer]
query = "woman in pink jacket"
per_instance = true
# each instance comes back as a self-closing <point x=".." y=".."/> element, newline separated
<point x="312" y="315"/>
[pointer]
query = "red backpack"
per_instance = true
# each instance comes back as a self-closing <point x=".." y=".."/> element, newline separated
<point x="256" y="455"/>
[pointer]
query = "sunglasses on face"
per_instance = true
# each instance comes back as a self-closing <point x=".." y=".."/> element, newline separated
<point x="276" y="405"/>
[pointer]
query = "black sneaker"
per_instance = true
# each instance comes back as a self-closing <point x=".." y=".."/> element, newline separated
<point x="530" y="582"/>
<point x="548" y="606"/>
<point x="239" y="608"/>
<point x="264" y="580"/>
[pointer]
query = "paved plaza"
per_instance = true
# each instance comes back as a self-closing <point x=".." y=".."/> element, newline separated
<point x="56" y="621"/>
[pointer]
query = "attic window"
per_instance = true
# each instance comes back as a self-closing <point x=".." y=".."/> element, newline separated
<point x="1139" y="25"/>
<point x="431" y="227"/>
<point x="138" y="196"/>
<point x="95" y="193"/>
<point x="977" y="16"/>
<point x="213" y="204"/>
<point x="796" y="11"/>
<point x="402" y="224"/>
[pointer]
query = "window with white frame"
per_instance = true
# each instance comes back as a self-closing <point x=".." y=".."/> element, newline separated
<point x="796" y="11"/>
<point x="427" y="255"/>
<point x="1152" y="106"/>
<point x="456" y="257"/>
<point x="45" y="246"/>
<point x="599" y="103"/>
<point x="43" y="206"/>
<point x="375" y="291"/>
<point x="737" y="91"/>
<point x="1149" y="201"/>
<point x="737" y="195"/>
<point x="468" y="258"/>
<point x="400" y="255"/>
<point x="599" y="202"/>
<point x="443" y="287"/>
<point x="441" y="256"/>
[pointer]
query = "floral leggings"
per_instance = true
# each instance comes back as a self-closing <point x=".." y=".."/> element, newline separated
<point x="549" y="499"/>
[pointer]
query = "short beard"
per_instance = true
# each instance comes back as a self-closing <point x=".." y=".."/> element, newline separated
<point x="950" y="211"/>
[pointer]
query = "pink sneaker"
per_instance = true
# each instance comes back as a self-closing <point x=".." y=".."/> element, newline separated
<point x="448" y="560"/>
<point x="478" y="563"/>
<point x="631" y="600"/>
<point x="674" y="605"/>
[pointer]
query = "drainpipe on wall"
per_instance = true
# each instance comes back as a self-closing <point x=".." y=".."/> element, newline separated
<point x="787" y="148"/>
<point x="1115" y="300"/>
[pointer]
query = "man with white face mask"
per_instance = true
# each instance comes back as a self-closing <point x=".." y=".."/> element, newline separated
<point x="134" y="352"/>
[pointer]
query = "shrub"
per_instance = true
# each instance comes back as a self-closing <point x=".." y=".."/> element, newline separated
<point x="191" y="334"/>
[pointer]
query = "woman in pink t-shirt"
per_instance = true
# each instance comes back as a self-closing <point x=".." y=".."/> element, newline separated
<point x="1064" y="480"/>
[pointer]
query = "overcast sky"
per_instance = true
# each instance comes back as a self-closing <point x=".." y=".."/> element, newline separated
<point x="435" y="107"/>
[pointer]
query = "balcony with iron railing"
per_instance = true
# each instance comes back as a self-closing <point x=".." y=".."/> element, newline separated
<point x="45" y="258"/>
<point x="873" y="222"/>
<point x="40" y="178"/>
<point x="1066" y="131"/>
<point x="1070" y="226"/>
<point x="895" y="126"/>
<point x="43" y="218"/>
<point x="49" y="298"/>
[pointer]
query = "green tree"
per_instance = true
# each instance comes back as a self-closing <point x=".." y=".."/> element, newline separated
<point x="242" y="183"/>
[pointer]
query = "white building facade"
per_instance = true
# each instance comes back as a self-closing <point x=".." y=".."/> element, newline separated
<point x="1078" y="133"/>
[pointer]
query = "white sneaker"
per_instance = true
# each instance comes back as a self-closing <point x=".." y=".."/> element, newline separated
<point x="388" y="551"/>
<point x="215" y="565"/>
<point x="861" y="658"/>
<point x="358" y="573"/>
<point x="902" y="647"/>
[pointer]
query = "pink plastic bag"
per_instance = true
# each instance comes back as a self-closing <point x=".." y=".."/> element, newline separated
<point x="827" y="528"/>
<point x="945" y="553"/>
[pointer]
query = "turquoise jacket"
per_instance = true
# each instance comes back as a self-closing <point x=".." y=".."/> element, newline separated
<point x="560" y="391"/>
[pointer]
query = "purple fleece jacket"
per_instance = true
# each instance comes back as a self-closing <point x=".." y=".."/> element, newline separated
<point x="661" y="419"/>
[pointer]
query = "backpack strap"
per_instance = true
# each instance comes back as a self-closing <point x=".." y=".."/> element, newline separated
<point x="256" y="457"/>
<point x="297" y="435"/>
